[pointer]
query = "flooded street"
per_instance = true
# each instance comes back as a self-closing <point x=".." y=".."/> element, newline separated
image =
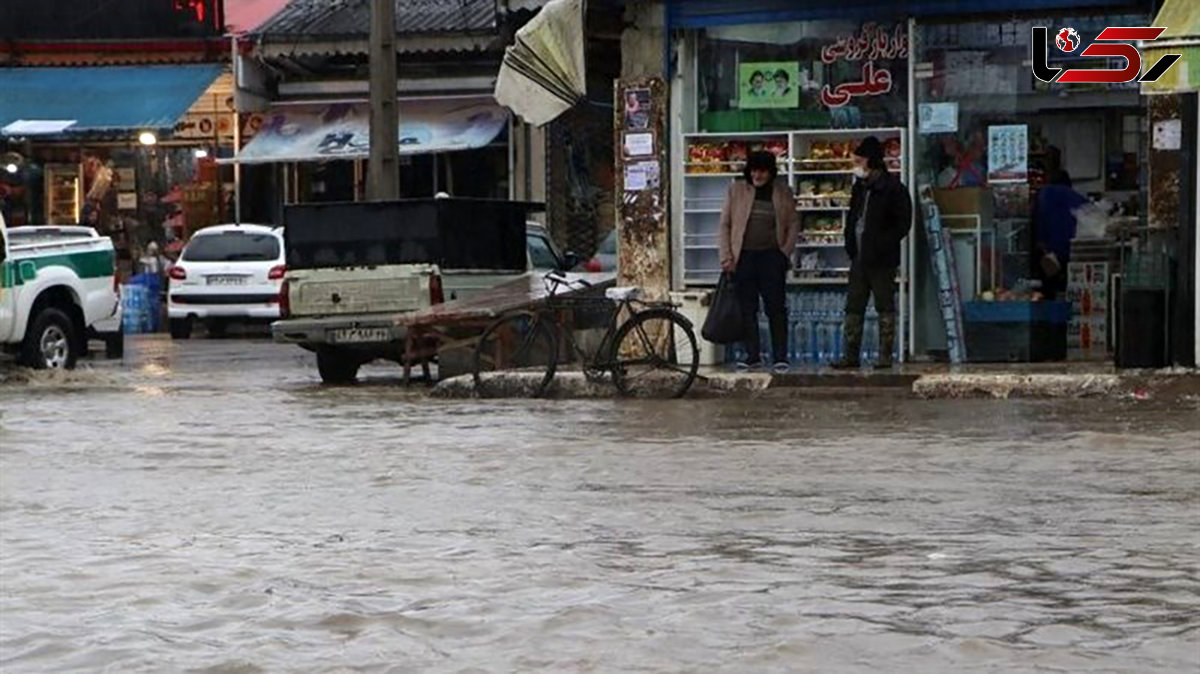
<point x="209" y="507"/>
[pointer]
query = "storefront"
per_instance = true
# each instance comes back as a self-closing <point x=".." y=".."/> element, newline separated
<point x="966" y="125"/>
<point x="129" y="150"/>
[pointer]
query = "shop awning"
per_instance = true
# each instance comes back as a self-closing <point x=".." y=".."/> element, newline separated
<point x="325" y="131"/>
<point x="543" y="72"/>
<point x="1181" y="18"/>
<point x="68" y="101"/>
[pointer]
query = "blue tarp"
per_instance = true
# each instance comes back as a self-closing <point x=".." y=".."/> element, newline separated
<point x="102" y="98"/>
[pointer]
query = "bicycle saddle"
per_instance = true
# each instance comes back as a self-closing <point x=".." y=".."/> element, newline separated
<point x="623" y="294"/>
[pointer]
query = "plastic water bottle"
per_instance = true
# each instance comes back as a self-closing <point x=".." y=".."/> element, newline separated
<point x="802" y="349"/>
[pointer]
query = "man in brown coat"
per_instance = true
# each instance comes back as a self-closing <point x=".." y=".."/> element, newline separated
<point x="757" y="237"/>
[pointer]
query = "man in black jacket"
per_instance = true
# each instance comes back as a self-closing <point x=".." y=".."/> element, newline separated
<point x="880" y="217"/>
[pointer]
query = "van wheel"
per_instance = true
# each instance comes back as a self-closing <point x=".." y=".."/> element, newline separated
<point x="51" y="342"/>
<point x="181" y="328"/>
<point x="337" y="367"/>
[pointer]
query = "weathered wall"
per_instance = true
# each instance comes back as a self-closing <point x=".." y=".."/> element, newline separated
<point x="644" y="233"/>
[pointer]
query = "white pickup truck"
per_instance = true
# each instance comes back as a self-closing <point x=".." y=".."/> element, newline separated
<point x="352" y="268"/>
<point x="57" y="288"/>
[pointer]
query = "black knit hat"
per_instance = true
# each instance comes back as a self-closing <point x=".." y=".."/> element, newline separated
<point x="763" y="161"/>
<point x="871" y="150"/>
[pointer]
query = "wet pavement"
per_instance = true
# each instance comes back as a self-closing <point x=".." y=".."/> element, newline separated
<point x="209" y="507"/>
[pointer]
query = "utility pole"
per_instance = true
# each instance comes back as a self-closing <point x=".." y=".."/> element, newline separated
<point x="383" y="167"/>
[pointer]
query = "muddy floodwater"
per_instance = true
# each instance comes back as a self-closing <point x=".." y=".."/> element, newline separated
<point x="209" y="507"/>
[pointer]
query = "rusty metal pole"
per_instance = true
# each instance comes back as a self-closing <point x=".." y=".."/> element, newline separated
<point x="383" y="166"/>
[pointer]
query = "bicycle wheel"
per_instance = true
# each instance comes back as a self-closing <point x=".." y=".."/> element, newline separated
<point x="522" y="343"/>
<point x="654" y="355"/>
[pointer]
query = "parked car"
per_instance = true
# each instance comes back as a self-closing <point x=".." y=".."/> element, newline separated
<point x="605" y="258"/>
<point x="226" y="273"/>
<point x="58" y="285"/>
<point x="543" y="254"/>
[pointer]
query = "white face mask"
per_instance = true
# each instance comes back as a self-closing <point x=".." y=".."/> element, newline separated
<point x="861" y="173"/>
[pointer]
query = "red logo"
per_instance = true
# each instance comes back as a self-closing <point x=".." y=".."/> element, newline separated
<point x="1068" y="41"/>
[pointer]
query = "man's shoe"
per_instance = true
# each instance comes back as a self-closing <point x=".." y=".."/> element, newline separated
<point x="747" y="366"/>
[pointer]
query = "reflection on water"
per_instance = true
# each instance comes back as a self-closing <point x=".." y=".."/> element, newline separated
<point x="210" y="508"/>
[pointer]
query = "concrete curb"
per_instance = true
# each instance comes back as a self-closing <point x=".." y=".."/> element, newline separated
<point x="988" y="385"/>
<point x="1016" y="386"/>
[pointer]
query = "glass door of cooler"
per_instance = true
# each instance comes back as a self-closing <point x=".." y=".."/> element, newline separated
<point x="62" y="194"/>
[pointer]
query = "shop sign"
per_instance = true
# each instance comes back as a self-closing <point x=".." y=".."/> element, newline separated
<point x="1067" y="40"/>
<point x="873" y="43"/>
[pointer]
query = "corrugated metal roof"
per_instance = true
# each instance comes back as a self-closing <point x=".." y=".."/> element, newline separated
<point x="323" y="19"/>
<point x="112" y="98"/>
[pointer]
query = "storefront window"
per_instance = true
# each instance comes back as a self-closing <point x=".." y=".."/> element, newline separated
<point x="815" y="74"/>
<point x="1009" y="159"/>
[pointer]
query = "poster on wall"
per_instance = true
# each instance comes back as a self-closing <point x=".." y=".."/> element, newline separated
<point x="938" y="117"/>
<point x="1008" y="153"/>
<point x="767" y="85"/>
<point x="637" y="109"/>
<point x="639" y="144"/>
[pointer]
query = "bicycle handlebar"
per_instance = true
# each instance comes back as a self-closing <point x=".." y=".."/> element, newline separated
<point x="557" y="279"/>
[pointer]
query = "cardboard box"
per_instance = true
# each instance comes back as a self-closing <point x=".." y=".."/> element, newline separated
<point x="965" y="201"/>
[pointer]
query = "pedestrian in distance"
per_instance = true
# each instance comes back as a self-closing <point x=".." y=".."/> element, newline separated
<point x="879" y="219"/>
<point x="757" y="236"/>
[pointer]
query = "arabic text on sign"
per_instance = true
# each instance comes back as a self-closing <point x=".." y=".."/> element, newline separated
<point x="873" y="43"/>
<point x="875" y="82"/>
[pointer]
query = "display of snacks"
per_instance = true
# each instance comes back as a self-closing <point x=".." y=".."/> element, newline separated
<point x="730" y="156"/>
<point x="827" y="193"/>
<point x="821" y="238"/>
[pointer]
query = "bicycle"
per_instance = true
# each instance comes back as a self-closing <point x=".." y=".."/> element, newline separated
<point x="651" y="353"/>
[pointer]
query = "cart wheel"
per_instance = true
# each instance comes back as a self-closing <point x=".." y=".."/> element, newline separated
<point x="655" y="355"/>
<point x="520" y="343"/>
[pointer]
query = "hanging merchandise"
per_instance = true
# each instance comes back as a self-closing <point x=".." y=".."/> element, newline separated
<point x="941" y="256"/>
<point x="543" y="73"/>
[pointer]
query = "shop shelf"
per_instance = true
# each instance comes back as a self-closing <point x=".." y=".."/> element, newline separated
<point x="809" y="281"/>
<point x="823" y="209"/>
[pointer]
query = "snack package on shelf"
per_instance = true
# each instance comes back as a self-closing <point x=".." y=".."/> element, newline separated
<point x="735" y="154"/>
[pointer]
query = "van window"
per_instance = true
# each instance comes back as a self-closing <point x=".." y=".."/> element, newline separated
<point x="232" y="247"/>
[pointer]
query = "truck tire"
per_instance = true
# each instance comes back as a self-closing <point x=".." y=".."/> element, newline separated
<point x="336" y="366"/>
<point x="52" y="342"/>
<point x="181" y="328"/>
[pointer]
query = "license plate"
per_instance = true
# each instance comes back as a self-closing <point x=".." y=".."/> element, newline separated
<point x="360" y="335"/>
<point x="226" y="280"/>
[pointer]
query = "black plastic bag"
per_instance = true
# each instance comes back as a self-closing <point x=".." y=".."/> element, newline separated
<point x="723" y="325"/>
